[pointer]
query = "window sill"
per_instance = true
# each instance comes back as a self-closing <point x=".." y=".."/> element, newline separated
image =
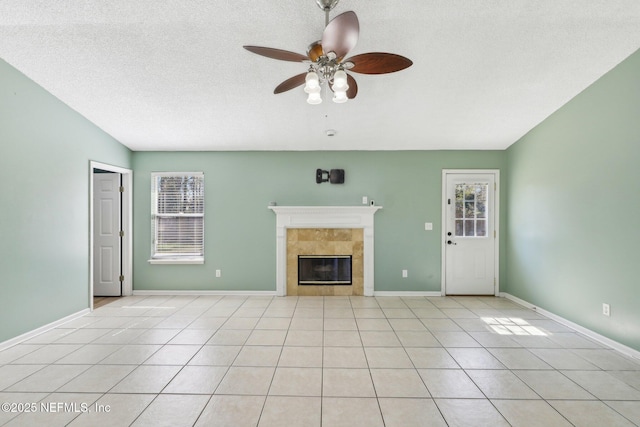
<point x="194" y="260"/>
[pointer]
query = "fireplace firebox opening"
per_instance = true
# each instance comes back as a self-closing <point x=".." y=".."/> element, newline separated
<point x="324" y="270"/>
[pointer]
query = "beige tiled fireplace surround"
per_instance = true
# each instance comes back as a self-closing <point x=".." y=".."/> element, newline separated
<point x="325" y="241"/>
<point x="324" y="230"/>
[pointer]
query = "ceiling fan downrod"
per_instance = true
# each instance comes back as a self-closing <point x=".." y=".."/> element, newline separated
<point x="326" y="6"/>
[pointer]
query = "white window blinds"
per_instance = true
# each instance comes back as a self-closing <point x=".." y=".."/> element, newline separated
<point x="177" y="215"/>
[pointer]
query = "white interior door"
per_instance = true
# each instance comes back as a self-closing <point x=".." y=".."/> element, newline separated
<point x="107" y="258"/>
<point x="470" y="240"/>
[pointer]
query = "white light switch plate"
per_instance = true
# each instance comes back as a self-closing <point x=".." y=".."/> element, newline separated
<point x="428" y="226"/>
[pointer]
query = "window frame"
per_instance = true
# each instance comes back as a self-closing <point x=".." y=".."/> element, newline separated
<point x="475" y="218"/>
<point x="173" y="258"/>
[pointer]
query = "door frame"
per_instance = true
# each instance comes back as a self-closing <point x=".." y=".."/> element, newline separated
<point x="496" y="223"/>
<point x="127" y="227"/>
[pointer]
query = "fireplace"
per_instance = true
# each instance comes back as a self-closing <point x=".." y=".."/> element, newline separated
<point x="324" y="270"/>
<point x="318" y="230"/>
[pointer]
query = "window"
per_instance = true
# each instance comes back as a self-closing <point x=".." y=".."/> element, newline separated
<point x="177" y="218"/>
<point x="471" y="210"/>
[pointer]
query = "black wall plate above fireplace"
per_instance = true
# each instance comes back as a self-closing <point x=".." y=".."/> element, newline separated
<point x="334" y="176"/>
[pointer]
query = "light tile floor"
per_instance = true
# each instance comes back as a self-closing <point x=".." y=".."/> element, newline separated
<point x="312" y="361"/>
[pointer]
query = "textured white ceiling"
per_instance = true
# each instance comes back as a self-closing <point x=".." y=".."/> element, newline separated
<point x="172" y="74"/>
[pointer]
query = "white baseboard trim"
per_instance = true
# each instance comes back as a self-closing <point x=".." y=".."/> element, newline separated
<point x="203" y="293"/>
<point x="628" y="351"/>
<point x="42" y="329"/>
<point x="407" y="294"/>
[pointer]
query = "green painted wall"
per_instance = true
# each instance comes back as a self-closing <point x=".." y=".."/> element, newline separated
<point x="573" y="201"/>
<point x="570" y="188"/>
<point x="240" y="230"/>
<point x="44" y="218"/>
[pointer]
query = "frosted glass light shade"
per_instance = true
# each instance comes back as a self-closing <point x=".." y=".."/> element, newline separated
<point x="340" y="78"/>
<point x="340" y="97"/>
<point x="312" y="83"/>
<point x="340" y="81"/>
<point x="314" y="98"/>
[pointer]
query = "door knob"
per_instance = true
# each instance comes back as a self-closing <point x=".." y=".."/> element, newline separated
<point x="449" y="242"/>
<point x="449" y="234"/>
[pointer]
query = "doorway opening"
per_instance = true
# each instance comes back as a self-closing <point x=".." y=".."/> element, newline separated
<point x="110" y="223"/>
<point x="470" y="215"/>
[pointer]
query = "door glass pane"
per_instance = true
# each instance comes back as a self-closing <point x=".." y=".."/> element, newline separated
<point x="459" y="211"/>
<point x="469" y="229"/>
<point x="481" y="200"/>
<point x="481" y="228"/>
<point x="469" y="192"/>
<point x="471" y="209"/>
<point x="481" y="208"/>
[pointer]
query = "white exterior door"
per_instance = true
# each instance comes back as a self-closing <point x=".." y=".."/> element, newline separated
<point x="106" y="235"/>
<point x="470" y="239"/>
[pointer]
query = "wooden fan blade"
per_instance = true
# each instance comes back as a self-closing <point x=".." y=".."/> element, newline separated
<point x="353" y="87"/>
<point x="282" y="55"/>
<point x="379" y="63"/>
<point x="291" y="83"/>
<point x="341" y="34"/>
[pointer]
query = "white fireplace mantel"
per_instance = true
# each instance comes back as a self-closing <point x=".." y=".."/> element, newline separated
<point x="323" y="217"/>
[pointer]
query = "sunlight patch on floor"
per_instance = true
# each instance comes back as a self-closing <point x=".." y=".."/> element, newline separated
<point x="512" y="326"/>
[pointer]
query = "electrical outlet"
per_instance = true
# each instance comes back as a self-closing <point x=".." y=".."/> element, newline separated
<point x="218" y="273"/>
<point x="606" y="309"/>
<point x="405" y="273"/>
<point x="428" y="226"/>
<point x="365" y="200"/>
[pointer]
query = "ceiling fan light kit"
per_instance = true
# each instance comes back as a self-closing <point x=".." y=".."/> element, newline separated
<point x="326" y="59"/>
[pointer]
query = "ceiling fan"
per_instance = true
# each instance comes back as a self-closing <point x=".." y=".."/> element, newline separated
<point x="326" y="59"/>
